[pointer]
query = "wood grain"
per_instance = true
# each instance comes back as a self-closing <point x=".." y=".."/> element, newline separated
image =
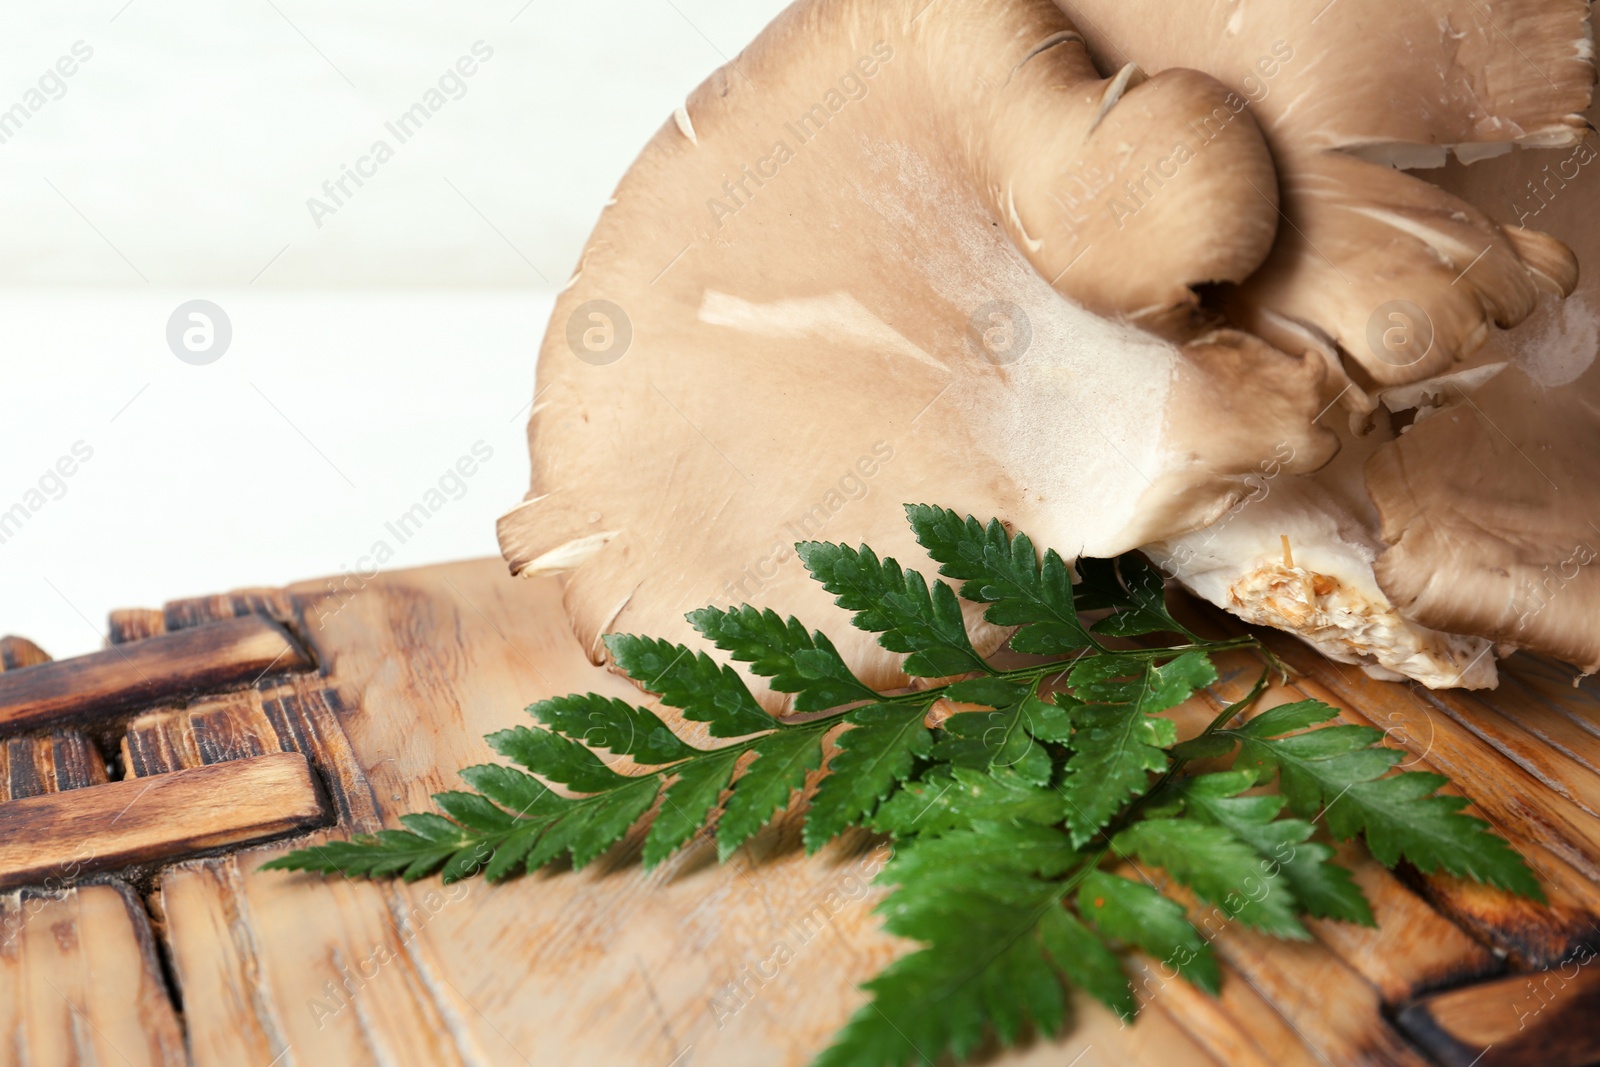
<point x="59" y="760"/>
<point x="79" y="979"/>
<point x="1239" y="1028"/>
<point x="1543" y="825"/>
<point x="1413" y="948"/>
<point x="134" y="624"/>
<point x="121" y="823"/>
<point x="267" y="603"/>
<point x="1334" y="1011"/>
<point x="165" y="667"/>
<point x="80" y="983"/>
<point x="53" y="763"/>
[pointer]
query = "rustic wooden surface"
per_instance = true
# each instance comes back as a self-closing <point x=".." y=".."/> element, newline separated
<point x="608" y="965"/>
<point x="613" y="966"/>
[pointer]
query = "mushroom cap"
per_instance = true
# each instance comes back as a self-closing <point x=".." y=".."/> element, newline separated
<point x="1467" y="526"/>
<point x="875" y="260"/>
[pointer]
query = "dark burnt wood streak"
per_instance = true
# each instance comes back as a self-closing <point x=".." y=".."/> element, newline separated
<point x="1560" y="841"/>
<point x="59" y="760"/>
<point x="165" y="667"/>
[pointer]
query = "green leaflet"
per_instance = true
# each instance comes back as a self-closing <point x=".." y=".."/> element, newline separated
<point x="1137" y="915"/>
<point x="518" y="793"/>
<point x="877" y="752"/>
<point x="792" y="660"/>
<point x="1132" y="590"/>
<point x="1111" y="679"/>
<point x="1006" y="574"/>
<point x="1142" y="606"/>
<point x="608" y="817"/>
<point x="692" y="681"/>
<point x="1288" y="718"/>
<point x="1003" y="818"/>
<point x="686" y="804"/>
<point x="1008" y="737"/>
<point x="954" y="798"/>
<point x="985" y="856"/>
<point x="389" y="853"/>
<point x="1336" y="773"/>
<point x="556" y="758"/>
<point x="1117" y="746"/>
<point x="1323" y="889"/>
<point x="1221" y="869"/>
<point x="910" y="615"/>
<point x="936" y="999"/>
<point x="782" y="760"/>
<point x="474" y="812"/>
<point x="511" y="850"/>
<point x="614" y="725"/>
<point x="1085" y="959"/>
<point x="1118" y="749"/>
<point x="978" y="900"/>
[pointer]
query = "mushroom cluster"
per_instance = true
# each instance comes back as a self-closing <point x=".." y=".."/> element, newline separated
<point x="1267" y="291"/>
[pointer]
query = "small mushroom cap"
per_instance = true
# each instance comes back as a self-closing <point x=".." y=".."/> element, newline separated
<point x="1344" y="91"/>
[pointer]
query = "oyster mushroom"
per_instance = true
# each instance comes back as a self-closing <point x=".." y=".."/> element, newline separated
<point x="903" y="251"/>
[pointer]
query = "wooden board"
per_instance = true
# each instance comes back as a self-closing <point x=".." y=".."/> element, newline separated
<point x="754" y="961"/>
<point x="1547" y="1019"/>
<point x="608" y="965"/>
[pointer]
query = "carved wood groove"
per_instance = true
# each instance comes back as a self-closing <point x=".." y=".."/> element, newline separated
<point x="297" y="716"/>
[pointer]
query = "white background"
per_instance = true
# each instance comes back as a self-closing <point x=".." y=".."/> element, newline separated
<point x="369" y="353"/>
